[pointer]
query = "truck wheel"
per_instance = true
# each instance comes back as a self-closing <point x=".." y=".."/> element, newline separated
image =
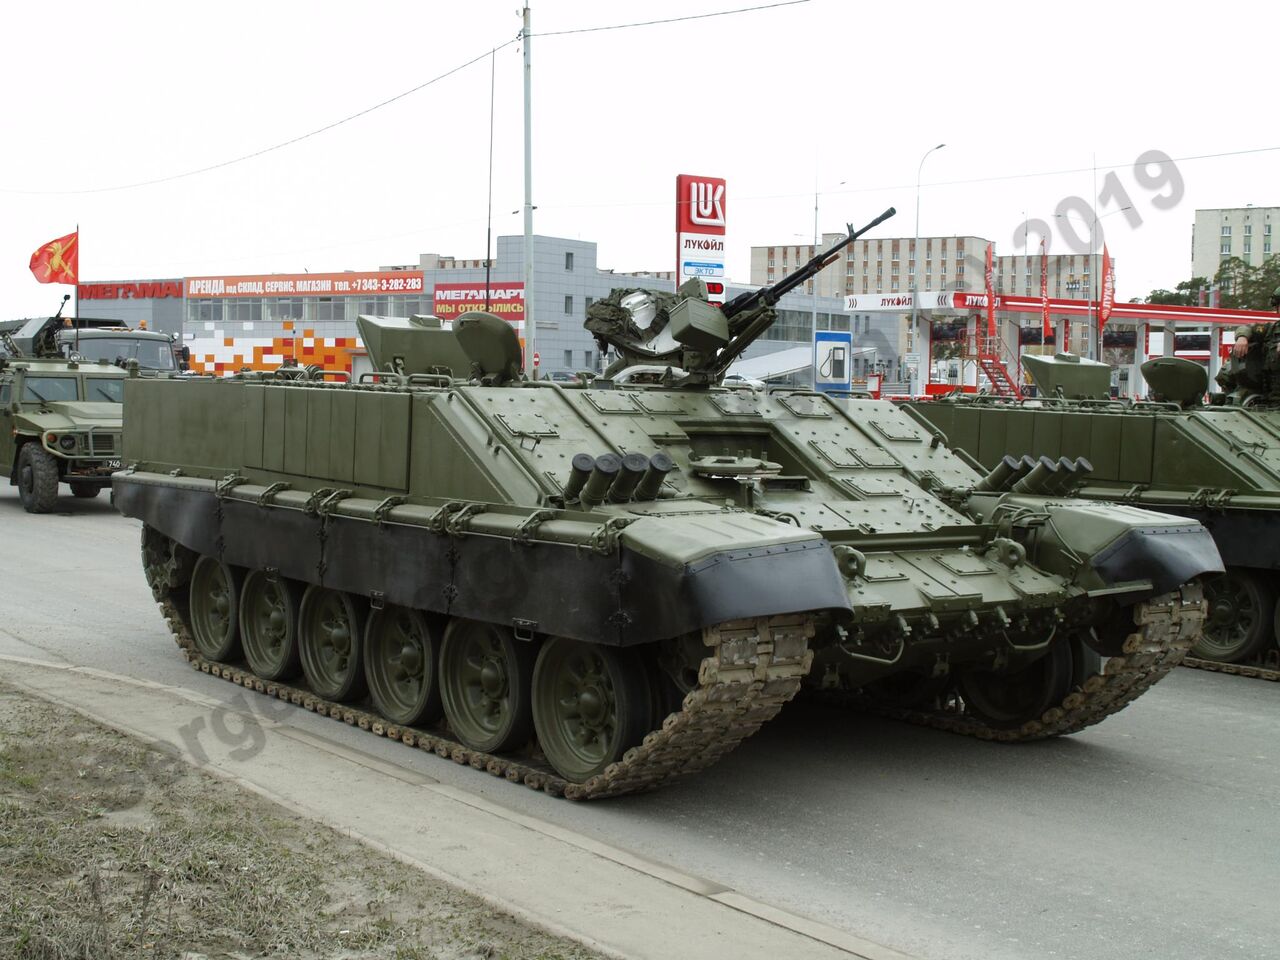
<point x="37" y="478"/>
<point x="85" y="491"/>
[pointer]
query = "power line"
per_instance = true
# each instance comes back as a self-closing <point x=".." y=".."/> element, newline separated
<point x="738" y="198"/>
<point x="390" y="100"/>
<point x="276" y="146"/>
<point x="650" y="23"/>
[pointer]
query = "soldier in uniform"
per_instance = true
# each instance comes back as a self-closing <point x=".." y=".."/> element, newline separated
<point x="1255" y="358"/>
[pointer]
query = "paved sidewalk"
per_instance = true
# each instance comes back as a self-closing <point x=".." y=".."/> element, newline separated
<point x="609" y="899"/>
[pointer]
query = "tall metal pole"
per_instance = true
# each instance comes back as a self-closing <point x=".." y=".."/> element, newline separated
<point x="1093" y="265"/>
<point x="529" y="321"/>
<point x="814" y="281"/>
<point x="488" y="230"/>
<point x="915" y="290"/>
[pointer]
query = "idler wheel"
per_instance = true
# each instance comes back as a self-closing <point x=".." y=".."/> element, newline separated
<point x="1242" y="608"/>
<point x="400" y="665"/>
<point x="486" y="676"/>
<point x="269" y="626"/>
<point x="215" y="603"/>
<point x="1007" y="699"/>
<point x="330" y="641"/>
<point x="591" y="704"/>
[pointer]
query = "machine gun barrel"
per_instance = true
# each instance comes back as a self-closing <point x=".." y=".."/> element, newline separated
<point x="768" y="296"/>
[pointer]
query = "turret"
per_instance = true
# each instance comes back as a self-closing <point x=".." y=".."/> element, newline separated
<point x="693" y="339"/>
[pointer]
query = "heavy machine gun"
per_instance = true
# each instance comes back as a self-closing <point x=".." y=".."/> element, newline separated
<point x="687" y="340"/>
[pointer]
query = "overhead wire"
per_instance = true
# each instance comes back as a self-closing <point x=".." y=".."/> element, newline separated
<point x="390" y="100"/>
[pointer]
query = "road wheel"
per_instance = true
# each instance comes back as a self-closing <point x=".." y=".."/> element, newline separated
<point x="486" y="679"/>
<point x="400" y="664"/>
<point x="37" y="478"/>
<point x="214" y="600"/>
<point x="1241" y="616"/>
<point x="1007" y="699"/>
<point x="269" y="626"/>
<point x="591" y="704"/>
<point x="330" y="636"/>
<point x="85" y="491"/>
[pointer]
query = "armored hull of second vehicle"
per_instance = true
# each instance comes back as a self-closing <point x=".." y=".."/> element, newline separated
<point x="1218" y="464"/>
<point x="599" y="588"/>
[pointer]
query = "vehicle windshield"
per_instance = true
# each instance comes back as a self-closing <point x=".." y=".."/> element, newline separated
<point x="104" y="389"/>
<point x="50" y="389"/>
<point x="151" y="353"/>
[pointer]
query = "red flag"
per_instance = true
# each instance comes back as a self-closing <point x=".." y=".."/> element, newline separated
<point x="991" y="295"/>
<point x="1108" y="289"/>
<point x="58" y="261"/>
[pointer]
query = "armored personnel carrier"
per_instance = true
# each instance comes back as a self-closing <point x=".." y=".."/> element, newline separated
<point x="595" y="589"/>
<point x="60" y="421"/>
<point x="1218" y="464"/>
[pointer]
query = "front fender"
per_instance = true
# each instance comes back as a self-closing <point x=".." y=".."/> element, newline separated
<point x="1102" y="546"/>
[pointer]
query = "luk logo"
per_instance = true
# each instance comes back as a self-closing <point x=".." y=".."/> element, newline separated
<point x="706" y="203"/>
<point x="700" y="204"/>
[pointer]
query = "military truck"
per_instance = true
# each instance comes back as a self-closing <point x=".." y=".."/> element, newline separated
<point x="598" y="588"/>
<point x="1216" y="463"/>
<point x="60" y="422"/>
<point x="92" y="339"/>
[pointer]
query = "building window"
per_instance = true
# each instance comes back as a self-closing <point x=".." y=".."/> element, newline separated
<point x="1226" y="248"/>
<point x="1226" y="231"/>
<point x="1248" y="229"/>
<point x="1248" y="248"/>
<point x="1266" y="229"/>
<point x="588" y="360"/>
<point x="568" y="260"/>
<point x="568" y="359"/>
<point x="590" y="300"/>
<point x="568" y="303"/>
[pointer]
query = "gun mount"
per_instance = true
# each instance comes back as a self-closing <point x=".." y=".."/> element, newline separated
<point x="693" y="339"/>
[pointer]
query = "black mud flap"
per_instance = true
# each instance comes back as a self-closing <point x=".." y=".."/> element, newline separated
<point x="1167" y="556"/>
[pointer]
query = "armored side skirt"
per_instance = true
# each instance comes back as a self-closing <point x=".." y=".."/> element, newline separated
<point x="603" y="594"/>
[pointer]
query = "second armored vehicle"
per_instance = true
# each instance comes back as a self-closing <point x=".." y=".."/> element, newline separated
<point x="60" y="422"/>
<point x="1217" y="464"/>
<point x="596" y="589"/>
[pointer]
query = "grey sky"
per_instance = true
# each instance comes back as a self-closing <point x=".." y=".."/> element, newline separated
<point x="105" y="94"/>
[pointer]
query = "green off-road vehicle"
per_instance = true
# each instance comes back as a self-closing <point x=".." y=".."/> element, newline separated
<point x="60" y="422"/>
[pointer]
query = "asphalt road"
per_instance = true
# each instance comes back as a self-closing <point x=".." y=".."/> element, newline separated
<point x="1154" y="834"/>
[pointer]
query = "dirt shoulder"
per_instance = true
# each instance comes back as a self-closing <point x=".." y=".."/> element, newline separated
<point x="109" y="849"/>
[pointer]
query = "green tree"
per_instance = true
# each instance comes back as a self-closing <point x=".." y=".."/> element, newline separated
<point x="1245" y="287"/>
<point x="1185" y="294"/>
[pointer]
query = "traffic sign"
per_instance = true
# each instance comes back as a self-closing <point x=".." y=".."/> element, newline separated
<point x="536" y="360"/>
<point x="832" y="359"/>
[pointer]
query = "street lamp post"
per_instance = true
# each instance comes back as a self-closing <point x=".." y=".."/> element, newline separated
<point x="915" y="287"/>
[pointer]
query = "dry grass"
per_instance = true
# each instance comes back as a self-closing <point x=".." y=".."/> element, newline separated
<point x="109" y="850"/>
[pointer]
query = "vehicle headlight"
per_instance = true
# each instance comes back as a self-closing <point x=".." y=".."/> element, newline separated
<point x="67" y="442"/>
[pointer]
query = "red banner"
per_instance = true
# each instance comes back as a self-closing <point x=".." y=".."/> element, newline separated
<point x="58" y="261"/>
<point x="991" y="295"/>
<point x="1047" y="327"/>
<point x="1108" y="289"/>
<point x="306" y="284"/>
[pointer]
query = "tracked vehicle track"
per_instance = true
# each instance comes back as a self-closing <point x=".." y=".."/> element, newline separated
<point x="1255" y="671"/>
<point x="1165" y="629"/>
<point x="754" y="668"/>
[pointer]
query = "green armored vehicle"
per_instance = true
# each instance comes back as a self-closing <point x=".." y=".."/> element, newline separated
<point x="60" y="421"/>
<point x="597" y="588"/>
<point x="1218" y="464"/>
